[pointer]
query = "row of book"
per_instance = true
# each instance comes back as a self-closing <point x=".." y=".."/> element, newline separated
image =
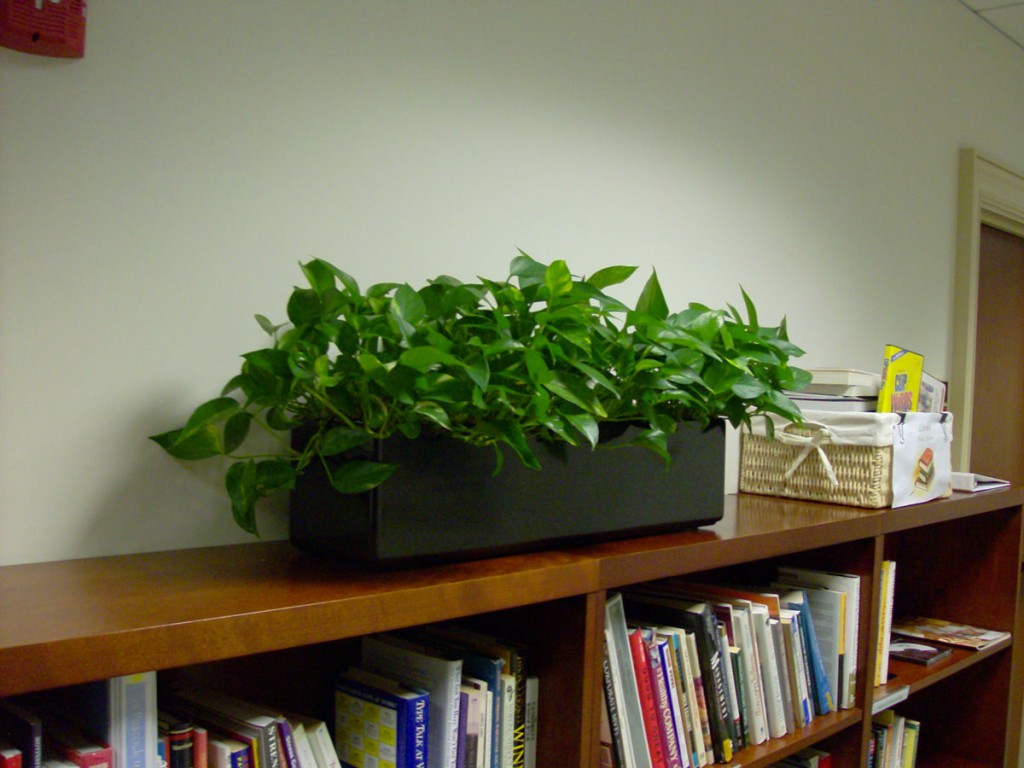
<point x="894" y="740"/>
<point x="122" y="723"/>
<point x="695" y="672"/>
<point x="442" y="696"/>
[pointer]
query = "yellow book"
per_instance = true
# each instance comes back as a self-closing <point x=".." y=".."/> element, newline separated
<point x="901" y="380"/>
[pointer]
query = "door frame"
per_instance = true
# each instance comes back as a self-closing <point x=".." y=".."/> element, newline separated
<point x="992" y="194"/>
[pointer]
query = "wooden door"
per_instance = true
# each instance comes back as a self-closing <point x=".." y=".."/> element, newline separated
<point x="997" y="432"/>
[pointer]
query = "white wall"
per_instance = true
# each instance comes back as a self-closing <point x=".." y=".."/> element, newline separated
<point x="159" y="192"/>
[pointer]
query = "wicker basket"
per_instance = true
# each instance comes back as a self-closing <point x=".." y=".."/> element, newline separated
<point x="838" y="458"/>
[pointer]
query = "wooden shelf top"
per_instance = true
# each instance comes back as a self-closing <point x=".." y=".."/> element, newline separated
<point x="89" y="619"/>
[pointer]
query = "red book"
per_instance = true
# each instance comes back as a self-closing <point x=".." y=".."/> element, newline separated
<point x="200" y="746"/>
<point x="648" y="705"/>
<point x="74" y="745"/>
<point x="10" y="755"/>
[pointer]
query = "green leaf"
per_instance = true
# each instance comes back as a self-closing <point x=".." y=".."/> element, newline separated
<point x="586" y="425"/>
<point x="576" y="393"/>
<point x="558" y="279"/>
<point x="199" y="445"/>
<point x="240" y="482"/>
<point x="319" y="275"/>
<point x="610" y="276"/>
<point x="434" y="413"/>
<point x="273" y="475"/>
<point x="304" y="306"/>
<point x="536" y="367"/>
<point x="479" y="373"/>
<point x="341" y="439"/>
<point x="751" y="310"/>
<point x="749" y="388"/>
<point x="422" y="359"/>
<point x="408" y="309"/>
<point x="654" y="440"/>
<point x="268" y="327"/>
<point x="273" y="361"/>
<point x="210" y="413"/>
<point x="527" y="270"/>
<point x="236" y="429"/>
<point x="652" y="300"/>
<point x="346" y="279"/>
<point x="360" y="475"/>
<point x="512" y="435"/>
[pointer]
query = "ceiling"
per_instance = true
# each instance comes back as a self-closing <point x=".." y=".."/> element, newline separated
<point x="1006" y="16"/>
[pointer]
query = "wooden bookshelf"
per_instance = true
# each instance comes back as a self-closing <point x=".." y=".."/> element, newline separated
<point x="276" y="613"/>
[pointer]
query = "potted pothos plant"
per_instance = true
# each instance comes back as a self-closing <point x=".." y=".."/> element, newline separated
<point x="541" y="357"/>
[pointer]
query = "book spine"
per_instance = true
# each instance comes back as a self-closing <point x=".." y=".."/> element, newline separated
<point x="508" y="718"/>
<point x="645" y="687"/>
<point x="614" y="725"/>
<point x="287" y="740"/>
<point x="669" y="742"/>
<point x="711" y="671"/>
<point x="419" y="725"/>
<point x="532" y="721"/>
<point x="687" y="700"/>
<point x="732" y="697"/>
<point x="200" y="747"/>
<point x="700" y="695"/>
<point x="675" y="698"/>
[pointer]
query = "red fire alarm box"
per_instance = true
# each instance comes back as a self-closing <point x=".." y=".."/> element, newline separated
<point x="44" y="27"/>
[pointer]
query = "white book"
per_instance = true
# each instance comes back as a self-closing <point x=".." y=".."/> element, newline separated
<point x="750" y="666"/>
<point x="303" y="749"/>
<point x="532" y="709"/>
<point x="631" y="717"/>
<point x="441" y="677"/>
<point x="508" y="718"/>
<point x="782" y="663"/>
<point x="849" y="584"/>
<point x="486" y="717"/>
<point x="320" y="742"/>
<point x="792" y="617"/>
<point x="769" y="670"/>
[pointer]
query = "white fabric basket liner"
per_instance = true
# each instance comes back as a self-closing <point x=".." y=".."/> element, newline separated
<point x="832" y="427"/>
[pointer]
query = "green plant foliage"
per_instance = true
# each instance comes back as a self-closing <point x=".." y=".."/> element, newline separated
<point x="541" y="354"/>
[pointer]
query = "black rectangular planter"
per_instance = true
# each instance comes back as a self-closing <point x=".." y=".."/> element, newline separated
<point x="445" y="502"/>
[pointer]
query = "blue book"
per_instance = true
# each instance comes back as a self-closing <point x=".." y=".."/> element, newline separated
<point x="375" y="715"/>
<point x="796" y="599"/>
